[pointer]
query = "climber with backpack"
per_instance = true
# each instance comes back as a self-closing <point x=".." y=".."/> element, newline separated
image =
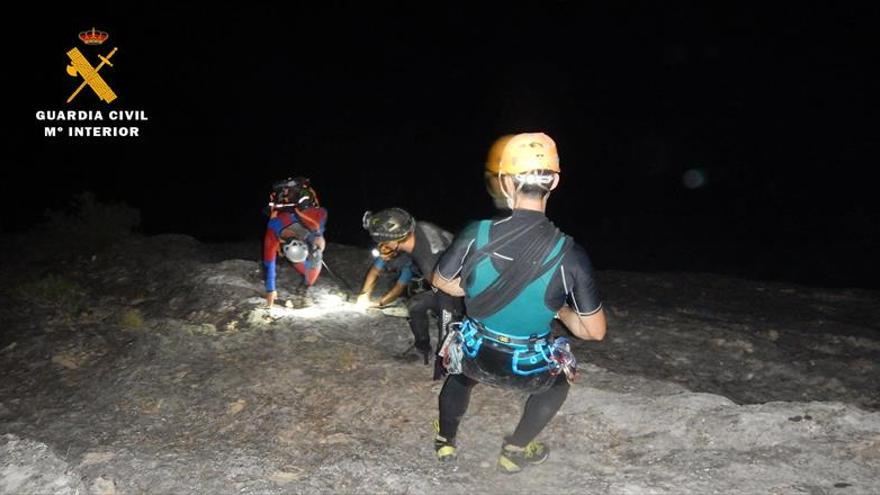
<point x="295" y="230"/>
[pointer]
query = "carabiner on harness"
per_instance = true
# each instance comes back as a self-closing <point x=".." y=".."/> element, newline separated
<point x="451" y="351"/>
<point x="562" y="360"/>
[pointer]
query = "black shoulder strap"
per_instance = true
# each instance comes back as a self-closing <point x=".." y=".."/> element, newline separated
<point x="530" y="264"/>
<point x="499" y="243"/>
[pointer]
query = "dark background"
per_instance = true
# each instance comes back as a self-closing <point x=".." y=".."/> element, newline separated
<point x="396" y="104"/>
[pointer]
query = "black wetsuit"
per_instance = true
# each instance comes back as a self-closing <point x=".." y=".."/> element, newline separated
<point x="572" y="283"/>
<point x="430" y="243"/>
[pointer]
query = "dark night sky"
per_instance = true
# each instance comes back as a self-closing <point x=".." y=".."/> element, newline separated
<point x="387" y="104"/>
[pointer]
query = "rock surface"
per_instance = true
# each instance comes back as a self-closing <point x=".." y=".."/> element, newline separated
<point x="152" y="367"/>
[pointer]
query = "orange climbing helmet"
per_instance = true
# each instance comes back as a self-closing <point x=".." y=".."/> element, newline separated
<point x="493" y="161"/>
<point x="528" y="152"/>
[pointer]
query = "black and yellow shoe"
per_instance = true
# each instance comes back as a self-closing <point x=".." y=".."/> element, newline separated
<point x="514" y="459"/>
<point x="445" y="448"/>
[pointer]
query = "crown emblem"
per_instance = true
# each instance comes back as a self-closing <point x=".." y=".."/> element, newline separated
<point x="93" y="37"/>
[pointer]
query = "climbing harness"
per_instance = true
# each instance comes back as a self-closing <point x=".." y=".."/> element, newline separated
<point x="530" y="355"/>
<point x="503" y="360"/>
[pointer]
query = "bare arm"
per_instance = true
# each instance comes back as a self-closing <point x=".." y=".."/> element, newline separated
<point x="392" y="294"/>
<point x="586" y="327"/>
<point x="451" y="287"/>
<point x="369" y="283"/>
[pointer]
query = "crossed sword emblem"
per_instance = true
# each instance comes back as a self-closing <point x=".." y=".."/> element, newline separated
<point x="80" y="66"/>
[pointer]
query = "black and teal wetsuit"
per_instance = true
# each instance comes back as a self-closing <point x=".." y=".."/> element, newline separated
<point x="508" y="345"/>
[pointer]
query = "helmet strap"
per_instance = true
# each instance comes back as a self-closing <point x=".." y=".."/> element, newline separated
<point x="512" y="198"/>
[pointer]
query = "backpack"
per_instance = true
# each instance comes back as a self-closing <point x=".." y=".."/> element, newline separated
<point x="291" y="194"/>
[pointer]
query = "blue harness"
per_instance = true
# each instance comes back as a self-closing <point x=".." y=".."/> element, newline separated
<point x="529" y="356"/>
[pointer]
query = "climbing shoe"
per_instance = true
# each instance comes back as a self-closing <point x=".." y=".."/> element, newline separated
<point x="299" y="302"/>
<point x="513" y="459"/>
<point x="444" y="448"/>
<point x="300" y="298"/>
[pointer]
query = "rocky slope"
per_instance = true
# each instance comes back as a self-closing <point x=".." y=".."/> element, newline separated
<point x="151" y="366"/>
